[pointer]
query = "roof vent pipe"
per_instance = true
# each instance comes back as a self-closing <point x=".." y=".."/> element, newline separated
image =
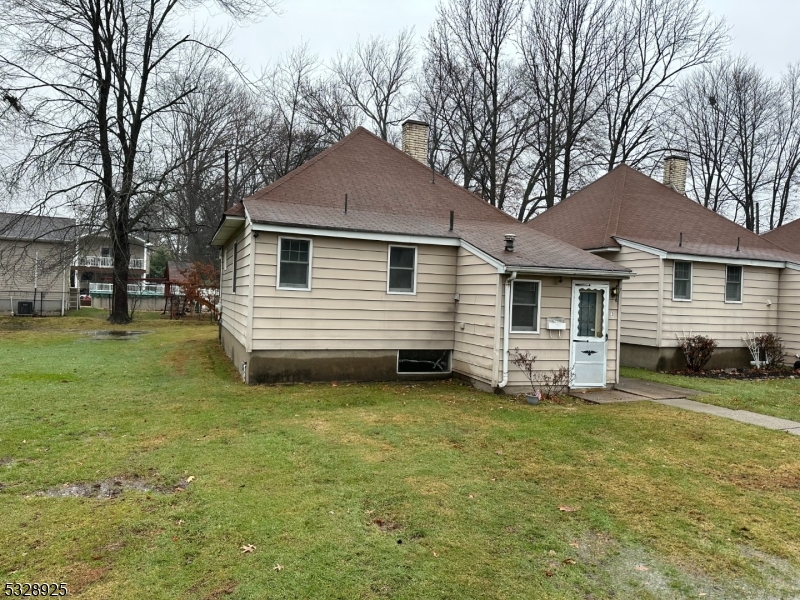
<point x="415" y="139"/>
<point x="675" y="172"/>
<point x="510" y="237"/>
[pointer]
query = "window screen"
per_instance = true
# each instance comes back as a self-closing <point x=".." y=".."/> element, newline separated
<point x="682" y="281"/>
<point x="525" y="306"/>
<point x="401" y="269"/>
<point x="733" y="284"/>
<point x="423" y="361"/>
<point x="295" y="255"/>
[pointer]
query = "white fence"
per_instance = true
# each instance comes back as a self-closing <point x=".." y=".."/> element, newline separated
<point x="106" y="262"/>
<point x="139" y="289"/>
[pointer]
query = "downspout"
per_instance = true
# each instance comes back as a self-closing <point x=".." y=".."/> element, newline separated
<point x="506" y="320"/>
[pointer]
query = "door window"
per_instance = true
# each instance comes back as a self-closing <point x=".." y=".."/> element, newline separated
<point x="590" y="313"/>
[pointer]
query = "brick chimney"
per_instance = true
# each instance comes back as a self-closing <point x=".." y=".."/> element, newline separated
<point x="675" y="172"/>
<point x="415" y="140"/>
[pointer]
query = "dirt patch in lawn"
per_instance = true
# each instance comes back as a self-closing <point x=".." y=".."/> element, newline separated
<point x="111" y="488"/>
<point x="635" y="572"/>
<point x="757" y="477"/>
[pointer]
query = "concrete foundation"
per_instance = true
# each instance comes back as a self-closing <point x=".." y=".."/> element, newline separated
<point x="671" y="359"/>
<point x="296" y="366"/>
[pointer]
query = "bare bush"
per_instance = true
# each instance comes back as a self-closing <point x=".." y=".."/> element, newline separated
<point x="697" y="350"/>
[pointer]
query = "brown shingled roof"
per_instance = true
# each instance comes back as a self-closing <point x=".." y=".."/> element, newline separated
<point x="391" y="192"/>
<point x="626" y="204"/>
<point x="787" y="236"/>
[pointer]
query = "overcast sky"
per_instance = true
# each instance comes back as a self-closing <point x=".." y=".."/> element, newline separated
<point x="766" y="30"/>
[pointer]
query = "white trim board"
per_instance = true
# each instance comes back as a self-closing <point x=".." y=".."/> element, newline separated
<point x="437" y="241"/>
<point x="746" y="262"/>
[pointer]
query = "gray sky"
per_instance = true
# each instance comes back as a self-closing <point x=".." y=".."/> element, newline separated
<point x="766" y="30"/>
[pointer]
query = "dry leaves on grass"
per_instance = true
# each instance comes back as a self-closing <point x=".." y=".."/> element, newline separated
<point x="247" y="549"/>
<point x="641" y="568"/>
<point x="277" y="567"/>
<point x="567" y="509"/>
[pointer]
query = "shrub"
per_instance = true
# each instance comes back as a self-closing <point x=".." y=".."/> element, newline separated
<point x="548" y="384"/>
<point x="771" y="347"/>
<point x="697" y="350"/>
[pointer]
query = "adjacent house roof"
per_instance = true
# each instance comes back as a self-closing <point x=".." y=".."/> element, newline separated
<point x="29" y="228"/>
<point x="787" y="236"/>
<point x="389" y="192"/>
<point x="628" y="205"/>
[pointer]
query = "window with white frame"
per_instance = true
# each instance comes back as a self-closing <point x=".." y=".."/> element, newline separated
<point x="682" y="281"/>
<point x="733" y="283"/>
<point x="525" y="306"/>
<point x="402" y="270"/>
<point x="294" y="264"/>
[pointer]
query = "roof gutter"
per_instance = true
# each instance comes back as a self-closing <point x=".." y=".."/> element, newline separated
<point x="235" y="221"/>
<point x="626" y="274"/>
<point x="506" y="328"/>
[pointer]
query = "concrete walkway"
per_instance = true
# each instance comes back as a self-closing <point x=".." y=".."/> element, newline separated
<point x="632" y="390"/>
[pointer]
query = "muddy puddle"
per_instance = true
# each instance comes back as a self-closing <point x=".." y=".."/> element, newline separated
<point x="115" y="334"/>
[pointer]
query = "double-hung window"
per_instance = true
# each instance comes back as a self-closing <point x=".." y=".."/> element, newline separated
<point x="525" y="306"/>
<point x="682" y="281"/>
<point x="733" y="283"/>
<point x="402" y="270"/>
<point x="294" y="264"/>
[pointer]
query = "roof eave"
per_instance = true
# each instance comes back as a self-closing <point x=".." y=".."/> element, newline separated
<point x="226" y="228"/>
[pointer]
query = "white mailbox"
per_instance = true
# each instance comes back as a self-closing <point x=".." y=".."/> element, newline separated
<point x="556" y="323"/>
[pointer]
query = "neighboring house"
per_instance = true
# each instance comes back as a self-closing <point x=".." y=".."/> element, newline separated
<point x="94" y="263"/>
<point x="695" y="270"/>
<point x="363" y="264"/>
<point x="35" y="257"/>
<point x="788" y="238"/>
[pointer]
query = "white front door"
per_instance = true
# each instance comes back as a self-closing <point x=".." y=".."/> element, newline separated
<point x="589" y="346"/>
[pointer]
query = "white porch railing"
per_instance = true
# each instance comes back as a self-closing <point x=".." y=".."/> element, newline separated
<point x="106" y="262"/>
<point x="140" y="289"/>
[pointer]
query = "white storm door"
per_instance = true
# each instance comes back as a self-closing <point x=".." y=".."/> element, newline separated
<point x="589" y="329"/>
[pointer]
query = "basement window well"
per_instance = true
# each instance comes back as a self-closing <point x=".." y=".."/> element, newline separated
<point x="423" y="361"/>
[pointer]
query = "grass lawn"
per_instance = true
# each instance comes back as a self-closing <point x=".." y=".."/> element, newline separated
<point x="779" y="397"/>
<point x="366" y="491"/>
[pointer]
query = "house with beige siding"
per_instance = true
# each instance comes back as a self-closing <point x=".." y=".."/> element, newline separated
<point x="694" y="270"/>
<point x="788" y="238"/>
<point x="363" y="264"/>
<point x="36" y="253"/>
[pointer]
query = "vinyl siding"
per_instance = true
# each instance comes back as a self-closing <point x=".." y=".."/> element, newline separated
<point x="235" y="306"/>
<point x="348" y="306"/>
<point x="474" y="343"/>
<point x="17" y="260"/>
<point x="789" y="312"/>
<point x="550" y="350"/>
<point x="639" y="298"/>
<point x="708" y="313"/>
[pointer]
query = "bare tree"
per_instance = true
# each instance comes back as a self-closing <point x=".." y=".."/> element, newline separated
<point x="752" y="111"/>
<point x="481" y="117"/>
<point x="86" y="71"/>
<point x="565" y="47"/>
<point x="701" y="125"/>
<point x="786" y="173"/>
<point x="377" y="75"/>
<point x="657" y="41"/>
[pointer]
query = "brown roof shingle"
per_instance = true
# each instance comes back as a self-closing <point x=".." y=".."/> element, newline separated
<point x="629" y="205"/>
<point x="391" y="192"/>
<point x="787" y="236"/>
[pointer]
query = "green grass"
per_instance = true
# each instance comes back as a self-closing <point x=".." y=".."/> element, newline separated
<point x="327" y="481"/>
<point x="778" y="397"/>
